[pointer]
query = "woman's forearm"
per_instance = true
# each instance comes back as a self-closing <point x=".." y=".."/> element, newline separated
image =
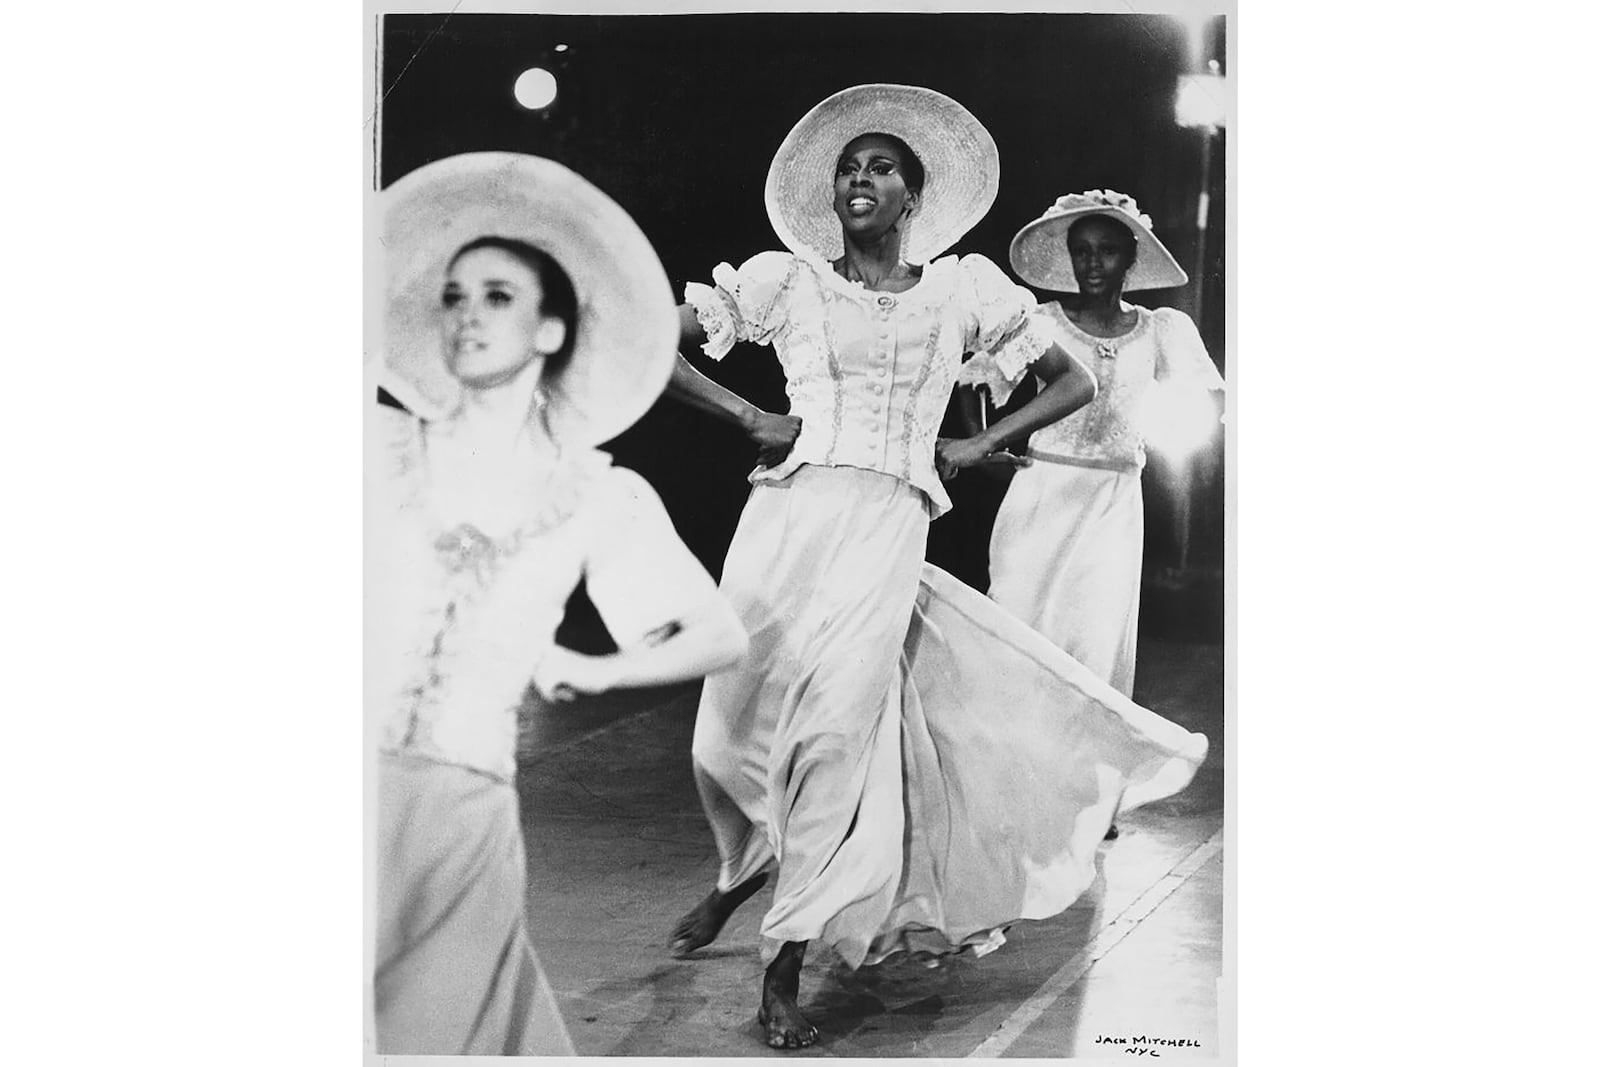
<point x="700" y="643"/>
<point x="969" y="410"/>
<point x="1069" y="386"/>
<point x="695" y="389"/>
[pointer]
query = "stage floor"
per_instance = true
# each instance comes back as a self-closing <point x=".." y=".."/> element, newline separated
<point x="618" y="849"/>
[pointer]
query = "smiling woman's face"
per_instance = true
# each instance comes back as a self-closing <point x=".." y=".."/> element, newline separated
<point x="870" y="187"/>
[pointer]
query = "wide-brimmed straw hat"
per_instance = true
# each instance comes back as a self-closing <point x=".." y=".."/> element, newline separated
<point x="959" y="157"/>
<point x="627" y="326"/>
<point x="1039" y="250"/>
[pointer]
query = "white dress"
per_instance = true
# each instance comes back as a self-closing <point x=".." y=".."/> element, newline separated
<point x="455" y="624"/>
<point x="1067" y="549"/>
<point x="921" y="767"/>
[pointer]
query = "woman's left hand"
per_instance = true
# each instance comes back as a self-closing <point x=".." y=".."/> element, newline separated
<point x="564" y="675"/>
<point x="952" y="454"/>
<point x="774" y="436"/>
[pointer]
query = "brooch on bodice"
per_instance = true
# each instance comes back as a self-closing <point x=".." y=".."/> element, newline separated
<point x="1106" y="350"/>
<point x="465" y="547"/>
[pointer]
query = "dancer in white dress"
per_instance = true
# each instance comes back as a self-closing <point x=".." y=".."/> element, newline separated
<point x="921" y="768"/>
<point x="527" y="320"/>
<point x="1068" y="543"/>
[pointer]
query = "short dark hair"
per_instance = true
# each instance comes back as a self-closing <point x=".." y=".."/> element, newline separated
<point x="911" y="167"/>
<point x="559" y="299"/>
<point x="1127" y="231"/>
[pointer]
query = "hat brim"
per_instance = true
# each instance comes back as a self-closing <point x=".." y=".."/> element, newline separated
<point x="1039" y="253"/>
<point x="627" y="326"/>
<point x="958" y="155"/>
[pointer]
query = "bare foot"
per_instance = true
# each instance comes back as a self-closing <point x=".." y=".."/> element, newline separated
<point x="785" y="1026"/>
<point x="780" y="1014"/>
<point x="702" y="925"/>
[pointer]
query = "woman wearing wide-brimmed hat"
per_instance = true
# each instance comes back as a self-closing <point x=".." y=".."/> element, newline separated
<point x="1068" y="542"/>
<point x="526" y="320"/>
<point x="921" y="768"/>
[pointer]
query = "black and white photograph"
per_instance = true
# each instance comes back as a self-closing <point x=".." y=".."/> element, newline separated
<point x="796" y="562"/>
<point x="888" y="532"/>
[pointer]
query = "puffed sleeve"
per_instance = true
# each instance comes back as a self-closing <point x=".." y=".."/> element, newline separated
<point x="1006" y="328"/>
<point x="983" y="372"/>
<point x="640" y="575"/>
<point x="748" y="304"/>
<point x="1181" y="357"/>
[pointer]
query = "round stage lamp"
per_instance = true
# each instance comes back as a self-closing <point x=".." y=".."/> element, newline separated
<point x="535" y="88"/>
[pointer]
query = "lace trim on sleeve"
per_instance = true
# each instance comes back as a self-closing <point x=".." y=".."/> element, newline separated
<point x="718" y="315"/>
<point x="759" y="291"/>
<point x="982" y="372"/>
<point x="1009" y="327"/>
<point x="747" y="304"/>
<point x="1017" y="350"/>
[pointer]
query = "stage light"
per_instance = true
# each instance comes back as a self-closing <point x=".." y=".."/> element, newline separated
<point x="1202" y="101"/>
<point x="561" y="48"/>
<point x="1196" y="23"/>
<point x="1177" y="419"/>
<point x="535" y="88"/>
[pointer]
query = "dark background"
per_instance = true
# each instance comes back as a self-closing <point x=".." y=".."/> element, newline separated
<point x="677" y="118"/>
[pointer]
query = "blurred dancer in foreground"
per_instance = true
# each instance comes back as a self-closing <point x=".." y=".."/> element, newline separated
<point x="527" y="320"/>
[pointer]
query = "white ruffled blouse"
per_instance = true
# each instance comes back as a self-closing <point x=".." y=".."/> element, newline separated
<point x="1163" y="346"/>
<point x="456" y="621"/>
<point x="869" y="373"/>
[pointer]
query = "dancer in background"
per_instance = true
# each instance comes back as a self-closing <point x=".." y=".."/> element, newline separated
<point x="527" y="320"/>
<point x="1068" y="543"/>
<point x="921" y="768"/>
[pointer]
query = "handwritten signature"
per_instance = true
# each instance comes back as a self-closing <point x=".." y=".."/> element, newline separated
<point x="1144" y="1044"/>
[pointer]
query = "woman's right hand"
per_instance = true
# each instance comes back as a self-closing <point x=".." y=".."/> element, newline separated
<point x="774" y="436"/>
<point x="563" y="675"/>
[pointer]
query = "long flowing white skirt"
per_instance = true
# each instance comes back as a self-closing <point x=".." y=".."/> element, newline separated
<point x="1065" y="558"/>
<point x="455" y="972"/>
<point x="922" y="767"/>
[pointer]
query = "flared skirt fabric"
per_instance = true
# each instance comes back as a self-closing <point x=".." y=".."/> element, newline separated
<point x="1065" y="558"/>
<point x="454" y="970"/>
<point x="922" y="768"/>
<point x="797" y="749"/>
